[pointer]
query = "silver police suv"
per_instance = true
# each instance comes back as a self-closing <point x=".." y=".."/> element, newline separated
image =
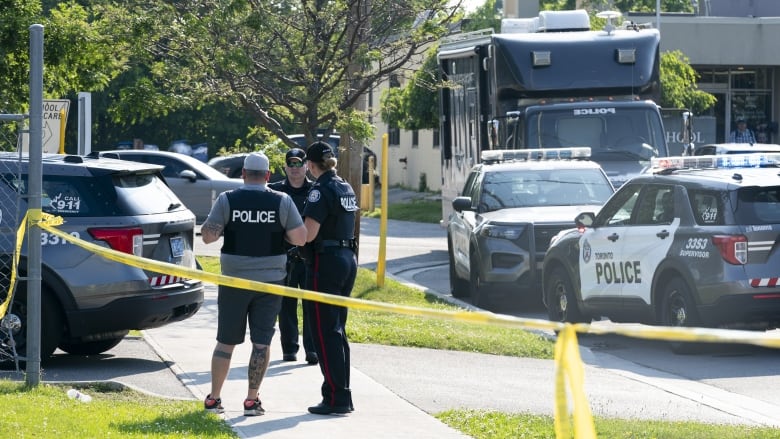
<point x="512" y="204"/>
<point x="89" y="303"/>
<point x="694" y="242"/>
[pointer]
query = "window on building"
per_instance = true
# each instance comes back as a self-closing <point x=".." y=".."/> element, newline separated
<point x="415" y="139"/>
<point x="393" y="136"/>
<point x="393" y="132"/>
<point x="741" y="93"/>
<point x="436" y="141"/>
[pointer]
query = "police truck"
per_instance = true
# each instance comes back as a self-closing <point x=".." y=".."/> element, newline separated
<point x="551" y="82"/>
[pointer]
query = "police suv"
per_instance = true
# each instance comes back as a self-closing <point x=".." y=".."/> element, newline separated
<point x="89" y="303"/>
<point x="512" y="204"/>
<point x="693" y="242"/>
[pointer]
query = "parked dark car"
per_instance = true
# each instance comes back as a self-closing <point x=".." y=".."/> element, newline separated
<point x="89" y="303"/>
<point x="231" y="165"/>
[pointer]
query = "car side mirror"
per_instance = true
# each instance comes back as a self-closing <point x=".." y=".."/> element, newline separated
<point x="584" y="219"/>
<point x="459" y="204"/>
<point x="189" y="175"/>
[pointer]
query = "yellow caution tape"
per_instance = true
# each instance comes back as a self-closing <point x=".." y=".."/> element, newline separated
<point x="569" y="366"/>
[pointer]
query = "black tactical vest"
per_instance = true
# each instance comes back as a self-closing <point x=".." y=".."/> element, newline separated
<point x="340" y="222"/>
<point x="254" y="227"/>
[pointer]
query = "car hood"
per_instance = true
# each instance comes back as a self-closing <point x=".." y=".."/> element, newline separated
<point x="539" y="214"/>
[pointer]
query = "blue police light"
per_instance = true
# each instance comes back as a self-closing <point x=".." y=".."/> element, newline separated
<point x="724" y="161"/>
<point x="506" y="155"/>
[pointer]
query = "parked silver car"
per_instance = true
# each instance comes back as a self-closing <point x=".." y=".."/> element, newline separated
<point x="89" y="303"/>
<point x="195" y="183"/>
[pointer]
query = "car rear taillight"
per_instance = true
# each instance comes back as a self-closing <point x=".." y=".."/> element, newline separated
<point x="733" y="248"/>
<point x="124" y="240"/>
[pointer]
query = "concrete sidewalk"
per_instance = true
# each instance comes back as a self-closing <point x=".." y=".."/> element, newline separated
<point x="287" y="390"/>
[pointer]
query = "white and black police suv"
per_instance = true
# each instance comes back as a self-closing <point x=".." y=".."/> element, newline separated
<point x="695" y="241"/>
<point x="512" y="204"/>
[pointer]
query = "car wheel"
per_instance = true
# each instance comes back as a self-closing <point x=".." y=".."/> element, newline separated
<point x="51" y="323"/>
<point x="679" y="309"/>
<point x="561" y="300"/>
<point x="477" y="288"/>
<point x="91" y="347"/>
<point x="458" y="287"/>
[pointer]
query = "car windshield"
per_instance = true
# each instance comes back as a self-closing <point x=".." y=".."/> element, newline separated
<point x="626" y="134"/>
<point x="558" y="187"/>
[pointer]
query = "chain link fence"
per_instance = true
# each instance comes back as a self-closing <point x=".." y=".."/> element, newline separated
<point x="10" y="217"/>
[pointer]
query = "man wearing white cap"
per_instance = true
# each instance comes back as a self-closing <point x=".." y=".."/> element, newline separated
<point x="255" y="222"/>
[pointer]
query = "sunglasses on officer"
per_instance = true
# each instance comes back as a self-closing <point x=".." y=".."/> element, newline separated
<point x="294" y="164"/>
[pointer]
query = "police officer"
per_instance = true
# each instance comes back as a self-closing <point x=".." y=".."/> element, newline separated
<point x="255" y="222"/>
<point x="297" y="186"/>
<point x="329" y="216"/>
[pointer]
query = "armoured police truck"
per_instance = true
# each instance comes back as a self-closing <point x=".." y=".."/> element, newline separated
<point x="551" y="82"/>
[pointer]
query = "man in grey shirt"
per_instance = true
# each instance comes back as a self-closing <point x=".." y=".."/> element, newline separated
<point x="255" y="222"/>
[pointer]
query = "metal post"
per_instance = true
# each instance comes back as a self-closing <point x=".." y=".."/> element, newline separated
<point x="34" y="207"/>
<point x="85" y="123"/>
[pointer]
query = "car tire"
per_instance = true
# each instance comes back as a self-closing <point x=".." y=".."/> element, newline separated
<point x="561" y="301"/>
<point x="458" y="287"/>
<point x="679" y="309"/>
<point x="91" y="347"/>
<point x="51" y="323"/>
<point x="477" y="288"/>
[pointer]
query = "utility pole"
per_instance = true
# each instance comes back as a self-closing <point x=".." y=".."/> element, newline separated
<point x="34" y="250"/>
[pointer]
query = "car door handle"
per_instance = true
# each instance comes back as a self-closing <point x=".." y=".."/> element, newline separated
<point x="613" y="237"/>
<point x="662" y="234"/>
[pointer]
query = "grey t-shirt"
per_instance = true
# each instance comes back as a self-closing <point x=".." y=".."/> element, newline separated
<point x="262" y="269"/>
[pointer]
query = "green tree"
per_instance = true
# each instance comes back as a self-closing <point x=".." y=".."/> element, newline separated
<point x="415" y="106"/>
<point x="678" y="84"/>
<point x="488" y="15"/>
<point x="79" y="52"/>
<point x="297" y="66"/>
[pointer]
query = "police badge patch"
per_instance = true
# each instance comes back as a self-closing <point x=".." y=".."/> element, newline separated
<point x="314" y="196"/>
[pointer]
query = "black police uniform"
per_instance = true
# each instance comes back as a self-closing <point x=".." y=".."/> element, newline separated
<point x="332" y="269"/>
<point x="296" y="278"/>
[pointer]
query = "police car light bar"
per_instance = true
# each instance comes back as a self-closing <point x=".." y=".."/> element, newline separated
<point x="724" y="161"/>
<point x="503" y="155"/>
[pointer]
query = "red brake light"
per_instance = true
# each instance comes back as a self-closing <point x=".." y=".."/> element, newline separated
<point x="733" y="248"/>
<point x="124" y="240"/>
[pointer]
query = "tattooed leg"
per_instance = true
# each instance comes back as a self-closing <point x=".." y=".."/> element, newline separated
<point x="220" y="365"/>
<point x="258" y="364"/>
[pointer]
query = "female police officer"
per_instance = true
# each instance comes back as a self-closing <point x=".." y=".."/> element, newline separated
<point x="329" y="216"/>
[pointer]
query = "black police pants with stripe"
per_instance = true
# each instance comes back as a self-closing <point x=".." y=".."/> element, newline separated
<point x="333" y="272"/>
<point x="288" y="316"/>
